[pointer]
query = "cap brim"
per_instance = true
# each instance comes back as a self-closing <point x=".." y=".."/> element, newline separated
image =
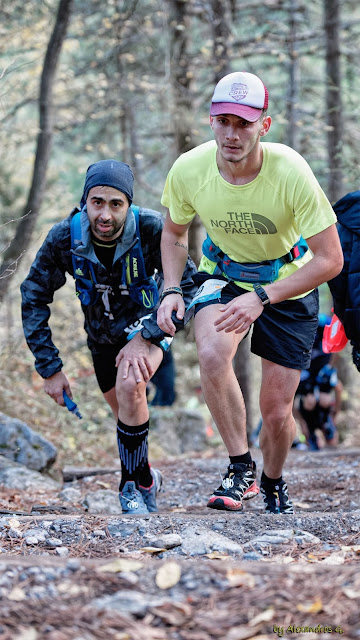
<point x="251" y="114"/>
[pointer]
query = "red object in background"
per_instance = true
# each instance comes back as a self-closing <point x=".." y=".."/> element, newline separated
<point x="334" y="336"/>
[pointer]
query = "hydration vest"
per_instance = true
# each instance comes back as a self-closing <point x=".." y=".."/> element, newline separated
<point x="134" y="281"/>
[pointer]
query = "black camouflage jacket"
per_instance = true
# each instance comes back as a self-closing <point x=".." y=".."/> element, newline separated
<point x="48" y="274"/>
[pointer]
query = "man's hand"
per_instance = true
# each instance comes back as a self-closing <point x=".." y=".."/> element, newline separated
<point x="54" y="386"/>
<point x="239" y="314"/>
<point x="134" y="359"/>
<point x="172" y="302"/>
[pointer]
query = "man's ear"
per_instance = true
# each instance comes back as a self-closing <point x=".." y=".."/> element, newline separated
<point x="265" y="125"/>
<point x="211" y="121"/>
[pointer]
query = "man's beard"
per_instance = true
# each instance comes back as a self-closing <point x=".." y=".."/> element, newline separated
<point x="112" y="229"/>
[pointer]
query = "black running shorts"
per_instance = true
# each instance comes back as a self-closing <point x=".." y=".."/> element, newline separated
<point x="104" y="356"/>
<point x="285" y="332"/>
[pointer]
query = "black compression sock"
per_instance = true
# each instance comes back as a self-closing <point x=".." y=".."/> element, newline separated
<point x="270" y="482"/>
<point x="133" y="451"/>
<point x="245" y="458"/>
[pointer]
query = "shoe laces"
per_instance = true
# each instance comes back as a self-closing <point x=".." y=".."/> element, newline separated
<point x="132" y="503"/>
<point x="227" y="481"/>
<point x="131" y="499"/>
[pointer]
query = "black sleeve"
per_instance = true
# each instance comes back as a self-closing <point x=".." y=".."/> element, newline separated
<point x="47" y="274"/>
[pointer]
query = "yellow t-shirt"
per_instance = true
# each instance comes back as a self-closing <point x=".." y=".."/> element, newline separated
<point x="261" y="220"/>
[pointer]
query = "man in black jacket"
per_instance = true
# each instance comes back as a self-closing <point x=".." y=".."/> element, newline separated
<point x="345" y="287"/>
<point x="125" y="341"/>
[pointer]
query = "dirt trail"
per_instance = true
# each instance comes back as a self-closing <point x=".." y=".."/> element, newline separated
<point x="188" y="573"/>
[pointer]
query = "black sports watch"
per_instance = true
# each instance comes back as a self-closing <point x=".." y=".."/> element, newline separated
<point x="262" y="294"/>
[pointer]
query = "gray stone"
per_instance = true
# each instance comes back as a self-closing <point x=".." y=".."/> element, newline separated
<point x="120" y="530"/>
<point x="129" y="602"/>
<point x="73" y="564"/>
<point x="166" y="541"/>
<point x="103" y="501"/>
<point x="54" y="542"/>
<point x="177" y="431"/>
<point x="70" y="494"/>
<point x="18" y="442"/>
<point x="16" y="476"/>
<point x="62" y="551"/>
<point x="198" y="540"/>
<point x="268" y="538"/>
<point x="36" y="533"/>
<point x="304" y="537"/>
<point x="252" y="556"/>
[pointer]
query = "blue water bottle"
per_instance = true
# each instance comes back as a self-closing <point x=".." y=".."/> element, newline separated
<point x="71" y="405"/>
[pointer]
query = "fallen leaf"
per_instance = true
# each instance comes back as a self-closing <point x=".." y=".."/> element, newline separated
<point x="106" y="485"/>
<point x="216" y="555"/>
<point x="14" y="523"/>
<point x="71" y="589"/>
<point x="178" y="510"/>
<point x="26" y="634"/>
<point x="311" y="607"/>
<point x="334" y="558"/>
<point x="302" y="505"/>
<point x="17" y="594"/>
<point x="311" y="558"/>
<point x="354" y="547"/>
<point x="243" y="632"/>
<point x="264" y="616"/>
<point x="121" y="564"/>
<point x="152" y="550"/>
<point x="168" y="575"/>
<point x="173" y="613"/>
<point x="239" y="578"/>
<point x="284" y="560"/>
<point x="351" y="593"/>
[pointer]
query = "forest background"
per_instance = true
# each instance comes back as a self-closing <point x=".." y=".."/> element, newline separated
<point x="132" y="80"/>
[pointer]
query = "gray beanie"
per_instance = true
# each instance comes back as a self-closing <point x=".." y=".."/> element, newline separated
<point x="109" y="173"/>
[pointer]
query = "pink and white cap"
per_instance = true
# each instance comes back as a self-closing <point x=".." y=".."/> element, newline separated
<point x="241" y="94"/>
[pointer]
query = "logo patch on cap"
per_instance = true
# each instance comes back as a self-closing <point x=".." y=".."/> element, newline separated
<point x="239" y="91"/>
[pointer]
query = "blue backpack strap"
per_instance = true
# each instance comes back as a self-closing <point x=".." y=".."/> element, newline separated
<point x="137" y="264"/>
<point x="142" y="289"/>
<point x="297" y="251"/>
<point x="84" y="274"/>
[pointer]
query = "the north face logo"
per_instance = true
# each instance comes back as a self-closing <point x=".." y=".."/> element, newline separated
<point x="239" y="91"/>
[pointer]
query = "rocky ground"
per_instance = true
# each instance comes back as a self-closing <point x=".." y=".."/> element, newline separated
<point x="187" y="572"/>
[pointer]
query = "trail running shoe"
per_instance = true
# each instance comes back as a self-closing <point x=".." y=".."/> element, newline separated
<point x="131" y="499"/>
<point x="277" y="498"/>
<point x="149" y="493"/>
<point x="239" y="483"/>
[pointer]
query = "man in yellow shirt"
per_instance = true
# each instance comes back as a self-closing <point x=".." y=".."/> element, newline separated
<point x="257" y="201"/>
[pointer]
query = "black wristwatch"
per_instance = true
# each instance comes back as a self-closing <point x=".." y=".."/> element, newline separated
<point x="262" y="294"/>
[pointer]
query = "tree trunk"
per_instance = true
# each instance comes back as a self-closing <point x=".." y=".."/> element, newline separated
<point x="25" y="227"/>
<point x="333" y="99"/>
<point x="183" y="109"/>
<point x="294" y="78"/>
<point x="221" y="38"/>
<point x="181" y="74"/>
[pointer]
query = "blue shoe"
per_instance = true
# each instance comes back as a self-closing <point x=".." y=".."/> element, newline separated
<point x="149" y="493"/>
<point x="131" y="499"/>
